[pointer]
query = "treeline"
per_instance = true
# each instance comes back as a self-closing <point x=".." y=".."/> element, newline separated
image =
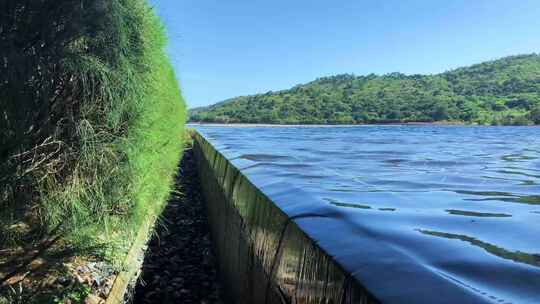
<point x="500" y="92"/>
<point x="91" y="122"/>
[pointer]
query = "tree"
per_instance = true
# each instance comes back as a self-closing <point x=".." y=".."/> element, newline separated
<point x="475" y="94"/>
<point x="534" y="115"/>
<point x="440" y="112"/>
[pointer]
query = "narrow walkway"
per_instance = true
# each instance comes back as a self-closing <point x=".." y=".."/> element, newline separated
<point x="180" y="266"/>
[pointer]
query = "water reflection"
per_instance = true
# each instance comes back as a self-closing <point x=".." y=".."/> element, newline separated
<point x="477" y="214"/>
<point x="516" y="256"/>
<point x="351" y="205"/>
<point x="518" y="173"/>
<point x="530" y="200"/>
<point x="344" y="204"/>
<point x="503" y="196"/>
<point x="263" y="157"/>
<point x="517" y="157"/>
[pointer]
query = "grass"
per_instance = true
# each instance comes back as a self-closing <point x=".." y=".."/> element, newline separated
<point x="116" y="165"/>
<point x="130" y="148"/>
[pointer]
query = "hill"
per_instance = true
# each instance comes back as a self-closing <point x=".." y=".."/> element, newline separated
<point x="500" y="92"/>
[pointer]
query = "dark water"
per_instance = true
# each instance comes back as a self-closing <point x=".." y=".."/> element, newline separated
<point x="448" y="211"/>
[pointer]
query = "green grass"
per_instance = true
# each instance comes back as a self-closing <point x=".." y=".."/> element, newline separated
<point x="130" y="149"/>
<point x="117" y="157"/>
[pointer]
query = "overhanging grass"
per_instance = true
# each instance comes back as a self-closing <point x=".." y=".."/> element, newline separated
<point x="119" y="132"/>
<point x="124" y="180"/>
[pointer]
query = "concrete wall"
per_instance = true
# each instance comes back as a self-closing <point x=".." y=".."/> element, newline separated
<point x="263" y="255"/>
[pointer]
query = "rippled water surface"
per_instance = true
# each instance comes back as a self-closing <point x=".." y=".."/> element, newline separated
<point x="462" y="203"/>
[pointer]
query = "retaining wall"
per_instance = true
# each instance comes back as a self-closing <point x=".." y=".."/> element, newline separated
<point x="263" y="255"/>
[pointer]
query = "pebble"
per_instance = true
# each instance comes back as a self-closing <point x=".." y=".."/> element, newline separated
<point x="179" y="266"/>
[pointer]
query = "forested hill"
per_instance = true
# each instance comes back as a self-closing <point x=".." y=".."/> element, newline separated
<point x="504" y="91"/>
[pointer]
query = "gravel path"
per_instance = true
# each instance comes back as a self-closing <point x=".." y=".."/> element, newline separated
<point x="180" y="266"/>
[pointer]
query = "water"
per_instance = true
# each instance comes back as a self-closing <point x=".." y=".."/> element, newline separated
<point x="447" y="207"/>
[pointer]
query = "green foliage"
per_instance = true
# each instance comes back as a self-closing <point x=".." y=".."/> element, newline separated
<point x="534" y="115"/>
<point x="92" y="122"/>
<point x="75" y="294"/>
<point x="504" y="91"/>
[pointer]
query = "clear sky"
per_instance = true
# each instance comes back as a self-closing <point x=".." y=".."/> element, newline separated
<point x="222" y="49"/>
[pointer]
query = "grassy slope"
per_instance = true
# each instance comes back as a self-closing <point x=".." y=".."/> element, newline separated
<point x="504" y="91"/>
<point x="116" y="159"/>
<point x="133" y="169"/>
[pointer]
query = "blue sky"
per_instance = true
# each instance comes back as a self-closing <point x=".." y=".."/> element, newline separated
<point x="221" y="49"/>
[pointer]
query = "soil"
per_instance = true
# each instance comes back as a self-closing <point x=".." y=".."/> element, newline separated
<point x="52" y="275"/>
<point x="179" y="266"/>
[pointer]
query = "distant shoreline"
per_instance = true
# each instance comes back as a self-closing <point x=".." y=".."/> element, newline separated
<point x="267" y="125"/>
<point x="327" y="125"/>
